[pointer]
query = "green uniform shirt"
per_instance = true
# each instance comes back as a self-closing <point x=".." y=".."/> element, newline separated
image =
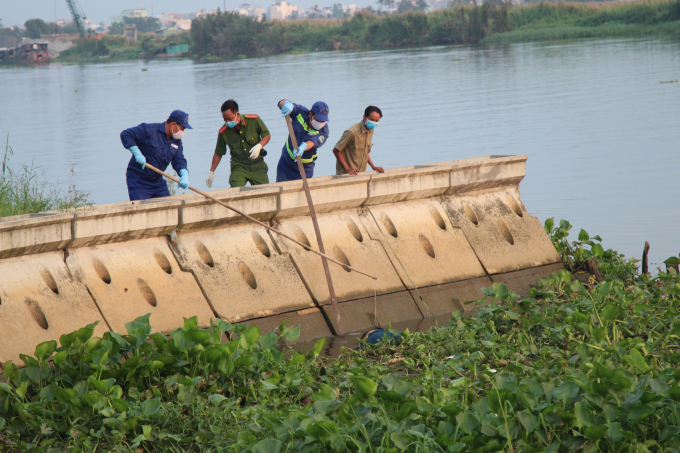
<point x="241" y="139"/>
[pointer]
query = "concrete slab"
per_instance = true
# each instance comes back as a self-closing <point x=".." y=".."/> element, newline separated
<point x="360" y="315"/>
<point x="241" y="273"/>
<point x="522" y="281"/>
<point x="198" y="212"/>
<point x="125" y="222"/>
<point x="345" y="239"/>
<point x="408" y="183"/>
<point x="34" y="233"/>
<point x="487" y="173"/>
<point x="40" y="301"/>
<point x="450" y="297"/>
<point x="312" y="324"/>
<point x="131" y="279"/>
<point x="502" y="233"/>
<point x="419" y="235"/>
<point x="329" y="193"/>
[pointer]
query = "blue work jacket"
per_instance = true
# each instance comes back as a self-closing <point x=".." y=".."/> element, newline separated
<point x="304" y="132"/>
<point x="155" y="146"/>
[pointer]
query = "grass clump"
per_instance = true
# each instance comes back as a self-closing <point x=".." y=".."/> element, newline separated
<point x="574" y="367"/>
<point x="26" y="191"/>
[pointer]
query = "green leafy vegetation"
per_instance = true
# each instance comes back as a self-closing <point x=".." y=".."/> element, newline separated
<point x="36" y="27"/>
<point x="27" y="191"/>
<point x="575" y="366"/>
<point x="228" y="35"/>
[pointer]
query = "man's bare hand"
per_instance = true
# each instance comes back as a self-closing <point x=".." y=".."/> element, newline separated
<point x="352" y="171"/>
<point x="379" y="169"/>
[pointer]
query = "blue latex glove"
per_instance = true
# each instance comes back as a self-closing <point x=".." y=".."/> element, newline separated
<point x="287" y="108"/>
<point x="184" y="178"/>
<point x="302" y="147"/>
<point x="139" y="157"/>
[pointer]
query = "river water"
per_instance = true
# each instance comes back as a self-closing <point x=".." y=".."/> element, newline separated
<point x="600" y="129"/>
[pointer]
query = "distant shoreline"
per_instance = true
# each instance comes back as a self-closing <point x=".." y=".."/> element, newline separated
<point x="487" y="24"/>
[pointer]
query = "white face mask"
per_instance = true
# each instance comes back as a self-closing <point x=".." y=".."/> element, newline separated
<point x="318" y="126"/>
<point x="178" y="135"/>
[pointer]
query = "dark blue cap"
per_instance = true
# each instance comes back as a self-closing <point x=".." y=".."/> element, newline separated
<point x="180" y="117"/>
<point x="320" y="111"/>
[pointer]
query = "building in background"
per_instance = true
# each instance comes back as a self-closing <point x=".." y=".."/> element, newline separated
<point x="129" y="13"/>
<point x="174" y="20"/>
<point x="246" y="9"/>
<point x="282" y="10"/>
<point x="130" y="32"/>
<point x="206" y="12"/>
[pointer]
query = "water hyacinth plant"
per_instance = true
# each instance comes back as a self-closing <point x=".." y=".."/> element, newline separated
<point x="574" y="367"/>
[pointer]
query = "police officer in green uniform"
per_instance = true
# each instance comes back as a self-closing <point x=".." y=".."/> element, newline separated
<point x="245" y="135"/>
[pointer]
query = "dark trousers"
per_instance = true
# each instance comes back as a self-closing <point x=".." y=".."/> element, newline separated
<point x="287" y="169"/>
<point x="141" y="189"/>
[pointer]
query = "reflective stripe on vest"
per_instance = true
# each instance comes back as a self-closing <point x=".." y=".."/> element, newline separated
<point x="307" y="129"/>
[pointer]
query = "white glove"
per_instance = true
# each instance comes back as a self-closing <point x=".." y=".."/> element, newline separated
<point x="255" y="151"/>
<point x="209" y="179"/>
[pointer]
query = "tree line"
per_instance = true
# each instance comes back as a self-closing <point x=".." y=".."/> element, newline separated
<point x="229" y="35"/>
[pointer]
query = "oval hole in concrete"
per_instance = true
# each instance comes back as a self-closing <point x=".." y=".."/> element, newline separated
<point x="470" y="213"/>
<point x="145" y="289"/>
<point x="426" y="245"/>
<point x="502" y="227"/>
<point x="162" y="261"/>
<point x="101" y="271"/>
<point x="247" y="275"/>
<point x="437" y="218"/>
<point x="389" y="225"/>
<point x="36" y="312"/>
<point x="261" y="244"/>
<point x="340" y="256"/>
<point x="354" y="229"/>
<point x="514" y="205"/>
<point x="204" y="254"/>
<point x="302" y="237"/>
<point x="49" y="279"/>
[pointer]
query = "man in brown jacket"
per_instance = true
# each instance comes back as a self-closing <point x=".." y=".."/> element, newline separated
<point x="353" y="148"/>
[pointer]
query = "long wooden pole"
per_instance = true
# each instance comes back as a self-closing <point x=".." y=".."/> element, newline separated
<point x="326" y="270"/>
<point x="262" y="224"/>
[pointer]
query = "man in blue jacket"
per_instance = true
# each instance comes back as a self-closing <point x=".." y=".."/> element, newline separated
<point x="160" y="144"/>
<point x="311" y="133"/>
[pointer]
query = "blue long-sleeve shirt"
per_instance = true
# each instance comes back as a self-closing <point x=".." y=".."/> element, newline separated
<point x="153" y="142"/>
<point x="304" y="132"/>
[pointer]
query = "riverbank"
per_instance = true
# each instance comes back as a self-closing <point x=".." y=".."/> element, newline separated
<point x="223" y="37"/>
<point x="117" y="48"/>
<point x="575" y="366"/>
<point x="26" y="190"/>
<point x="228" y="36"/>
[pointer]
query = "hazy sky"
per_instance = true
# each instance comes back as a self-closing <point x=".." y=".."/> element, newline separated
<point x="13" y="12"/>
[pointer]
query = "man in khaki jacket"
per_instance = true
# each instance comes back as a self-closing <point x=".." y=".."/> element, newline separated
<point x="353" y="148"/>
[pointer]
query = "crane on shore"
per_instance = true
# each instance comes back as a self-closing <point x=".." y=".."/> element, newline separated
<point x="78" y="16"/>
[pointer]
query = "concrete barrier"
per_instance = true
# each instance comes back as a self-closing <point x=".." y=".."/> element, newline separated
<point x="130" y="279"/>
<point x="434" y="235"/>
<point x="124" y="222"/>
<point x="239" y="269"/>
<point x="40" y="301"/>
<point x="34" y="233"/>
<point x="346" y="239"/>
<point x="503" y="235"/>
